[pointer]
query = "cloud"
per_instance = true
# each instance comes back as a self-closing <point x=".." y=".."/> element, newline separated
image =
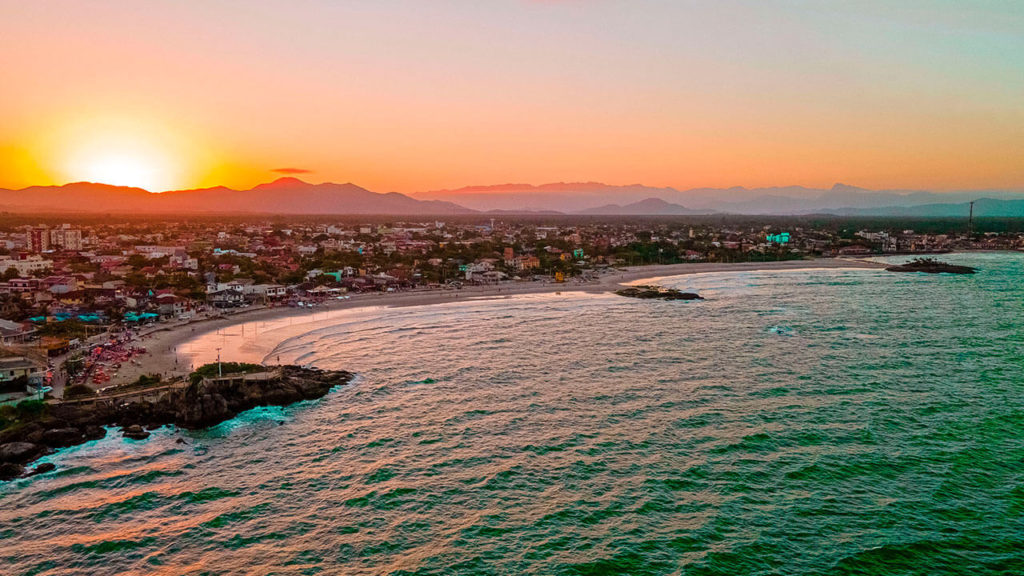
<point x="291" y="170"/>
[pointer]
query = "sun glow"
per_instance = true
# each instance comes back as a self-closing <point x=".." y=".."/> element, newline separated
<point x="123" y="169"/>
<point x="123" y="152"/>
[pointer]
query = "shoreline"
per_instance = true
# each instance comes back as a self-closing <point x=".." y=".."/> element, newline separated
<point x="161" y="356"/>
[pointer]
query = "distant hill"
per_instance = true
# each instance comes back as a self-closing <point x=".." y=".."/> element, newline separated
<point x="293" y="196"/>
<point x="983" y="208"/>
<point x="282" y="196"/>
<point x="565" y="197"/>
<point x="580" y="197"/>
<point x="648" y="207"/>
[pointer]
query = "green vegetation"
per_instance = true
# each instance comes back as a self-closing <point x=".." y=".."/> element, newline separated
<point x="147" y="380"/>
<point x="71" y="328"/>
<point x="78" y="391"/>
<point x="211" y="370"/>
<point x="21" y="413"/>
<point x="74" y="365"/>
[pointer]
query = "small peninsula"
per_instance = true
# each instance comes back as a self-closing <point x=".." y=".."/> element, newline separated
<point x="931" y="266"/>
<point x="33" y="429"/>
<point x="657" y="293"/>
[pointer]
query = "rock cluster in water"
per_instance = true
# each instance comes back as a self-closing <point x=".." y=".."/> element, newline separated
<point x="197" y="405"/>
<point x="657" y="293"/>
<point x="931" y="266"/>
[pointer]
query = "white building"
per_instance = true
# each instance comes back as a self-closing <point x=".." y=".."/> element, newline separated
<point x="27" y="266"/>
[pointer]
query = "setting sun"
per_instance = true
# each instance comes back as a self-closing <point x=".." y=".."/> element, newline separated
<point x="123" y="169"/>
<point x="124" y="150"/>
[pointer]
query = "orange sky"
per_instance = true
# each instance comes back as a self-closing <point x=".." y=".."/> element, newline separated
<point x="416" y="95"/>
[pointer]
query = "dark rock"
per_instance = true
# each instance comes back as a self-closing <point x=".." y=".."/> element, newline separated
<point x="208" y="403"/>
<point x="19" y="452"/>
<point x="45" y="467"/>
<point x="60" y="437"/>
<point x="135" y="432"/>
<point x="193" y="406"/>
<point x="931" y="266"/>
<point x="32" y="432"/>
<point x="10" y="471"/>
<point x="656" y="293"/>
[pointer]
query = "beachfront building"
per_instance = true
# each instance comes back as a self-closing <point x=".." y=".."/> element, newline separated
<point x="265" y="292"/>
<point x="16" y="369"/>
<point x="226" y="298"/>
<point x="171" y="305"/>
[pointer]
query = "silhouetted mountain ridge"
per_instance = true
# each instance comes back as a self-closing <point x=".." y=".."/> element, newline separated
<point x="646" y="207"/>
<point x="582" y="197"/>
<point x="282" y="196"/>
<point x="290" y="195"/>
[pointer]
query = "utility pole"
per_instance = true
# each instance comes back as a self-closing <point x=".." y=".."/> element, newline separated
<point x="219" y="373"/>
<point x="970" y="222"/>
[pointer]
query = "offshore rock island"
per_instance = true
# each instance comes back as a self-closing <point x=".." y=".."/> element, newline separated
<point x="657" y="293"/>
<point x="931" y="266"/>
<point x="38" y="429"/>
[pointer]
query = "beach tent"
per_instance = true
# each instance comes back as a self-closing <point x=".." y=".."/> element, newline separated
<point x="133" y="317"/>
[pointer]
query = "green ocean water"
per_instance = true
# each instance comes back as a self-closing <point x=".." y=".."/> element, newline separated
<point x="824" y="422"/>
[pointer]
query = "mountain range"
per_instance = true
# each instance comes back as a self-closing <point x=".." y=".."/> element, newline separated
<point x="282" y="196"/>
<point x="293" y="196"/>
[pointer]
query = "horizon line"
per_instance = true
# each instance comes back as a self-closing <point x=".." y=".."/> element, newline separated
<point x="481" y="188"/>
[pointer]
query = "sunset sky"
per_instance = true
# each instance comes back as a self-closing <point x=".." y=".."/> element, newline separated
<point x="428" y="94"/>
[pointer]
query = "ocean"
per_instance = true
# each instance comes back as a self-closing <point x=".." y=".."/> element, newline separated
<point x="794" y="422"/>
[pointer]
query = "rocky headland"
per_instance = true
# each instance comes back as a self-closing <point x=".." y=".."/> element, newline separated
<point x="39" y="429"/>
<point x="931" y="266"/>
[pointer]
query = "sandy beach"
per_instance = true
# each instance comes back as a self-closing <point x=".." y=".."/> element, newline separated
<point x="162" y="343"/>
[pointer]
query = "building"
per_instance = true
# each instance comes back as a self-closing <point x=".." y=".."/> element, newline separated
<point x="16" y="367"/>
<point x="66" y="238"/>
<point x="15" y="332"/>
<point x="225" y="298"/>
<point x="265" y="291"/>
<point x="520" y="263"/>
<point x="61" y="284"/>
<point x="39" y="240"/>
<point x="171" y="305"/>
<point x="26" y="266"/>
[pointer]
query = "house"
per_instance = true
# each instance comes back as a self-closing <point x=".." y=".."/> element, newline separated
<point x="61" y="284"/>
<point x="855" y="250"/>
<point x="15" y="332"/>
<point x="171" y="305"/>
<point x="76" y="298"/>
<point x="23" y="285"/>
<point x="265" y="291"/>
<point x="16" y="367"/>
<point x="525" y="262"/>
<point x="225" y="298"/>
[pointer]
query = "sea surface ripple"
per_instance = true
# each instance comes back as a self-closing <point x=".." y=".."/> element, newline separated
<point x="800" y="422"/>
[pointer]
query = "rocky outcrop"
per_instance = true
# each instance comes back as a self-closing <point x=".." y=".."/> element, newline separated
<point x="19" y="452"/>
<point x="198" y="405"/>
<point x="656" y="293"/>
<point x="931" y="266"/>
<point x="135" y="432"/>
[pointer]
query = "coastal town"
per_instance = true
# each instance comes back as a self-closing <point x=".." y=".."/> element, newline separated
<point x="77" y="299"/>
